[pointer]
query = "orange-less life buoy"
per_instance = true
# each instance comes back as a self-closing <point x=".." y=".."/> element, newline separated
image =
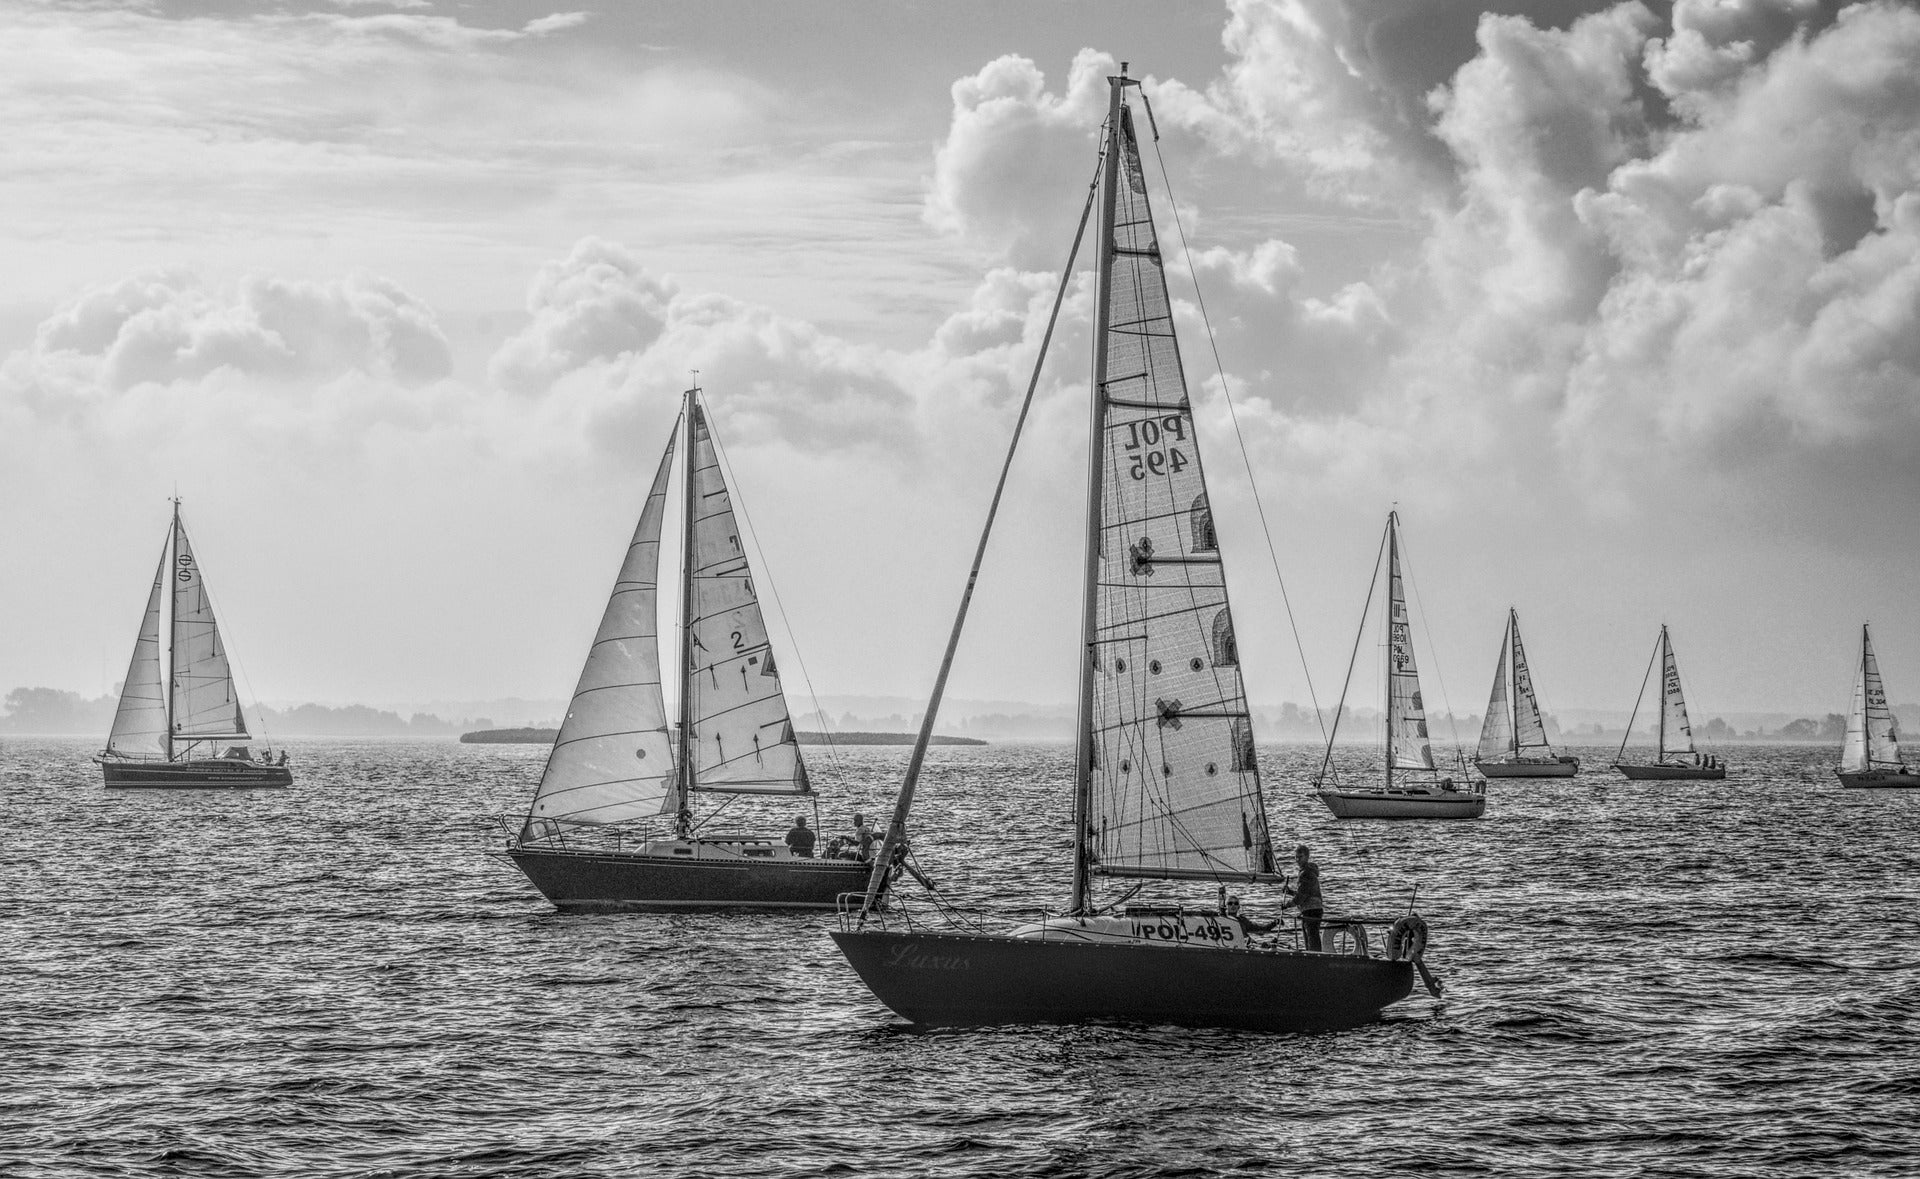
<point x="1407" y="938"/>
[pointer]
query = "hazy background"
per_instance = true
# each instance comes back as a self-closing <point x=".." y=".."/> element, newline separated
<point x="1619" y="302"/>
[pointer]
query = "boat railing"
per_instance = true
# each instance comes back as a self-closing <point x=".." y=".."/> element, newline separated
<point x="575" y="837"/>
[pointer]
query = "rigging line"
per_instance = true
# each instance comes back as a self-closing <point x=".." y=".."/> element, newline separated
<point x="897" y="826"/>
<point x="1354" y="658"/>
<point x="1635" y="714"/>
<point x="773" y="589"/>
<point x="1420" y="604"/>
<point x="1233" y="415"/>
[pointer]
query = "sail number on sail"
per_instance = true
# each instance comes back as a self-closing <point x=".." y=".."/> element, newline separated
<point x="1147" y="436"/>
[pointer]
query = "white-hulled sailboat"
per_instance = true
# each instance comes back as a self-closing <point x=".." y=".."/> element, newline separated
<point x="1678" y="760"/>
<point x="178" y="704"/>
<point x="618" y="770"/>
<point x="1871" y="756"/>
<point x="1411" y="786"/>
<point x="1513" y="740"/>
<point x="1165" y="782"/>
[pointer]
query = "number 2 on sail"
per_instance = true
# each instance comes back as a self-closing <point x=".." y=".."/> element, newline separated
<point x="1146" y="438"/>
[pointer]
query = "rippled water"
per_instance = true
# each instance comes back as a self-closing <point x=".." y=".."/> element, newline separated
<point x="1709" y="979"/>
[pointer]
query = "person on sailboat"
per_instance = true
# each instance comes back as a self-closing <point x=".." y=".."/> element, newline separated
<point x="1305" y="896"/>
<point x="1248" y="926"/>
<point x="862" y="837"/>
<point x="800" y="839"/>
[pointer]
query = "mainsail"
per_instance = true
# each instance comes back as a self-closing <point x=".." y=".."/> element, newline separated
<point x="740" y="738"/>
<point x="612" y="759"/>
<point x="140" y="722"/>
<point x="1529" y="731"/>
<point x="1407" y="746"/>
<point x="1496" y="734"/>
<point x="1872" y="739"/>
<point x="1676" y="734"/>
<point x="205" y="706"/>
<point x="1174" y="789"/>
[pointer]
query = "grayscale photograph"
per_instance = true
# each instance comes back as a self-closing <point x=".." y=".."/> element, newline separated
<point x="1022" y="587"/>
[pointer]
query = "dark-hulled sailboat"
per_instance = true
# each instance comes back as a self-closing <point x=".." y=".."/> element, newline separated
<point x="1165" y="781"/>
<point x="1677" y="758"/>
<point x="1513" y="739"/>
<point x="618" y="770"/>
<point x="178" y="704"/>
<point x="1870" y="758"/>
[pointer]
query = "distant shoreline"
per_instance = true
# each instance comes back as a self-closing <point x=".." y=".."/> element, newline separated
<point x="805" y="737"/>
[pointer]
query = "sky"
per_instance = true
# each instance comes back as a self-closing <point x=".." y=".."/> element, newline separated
<point x="1618" y="303"/>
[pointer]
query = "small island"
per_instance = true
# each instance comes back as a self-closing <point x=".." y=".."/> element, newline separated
<point x="805" y="737"/>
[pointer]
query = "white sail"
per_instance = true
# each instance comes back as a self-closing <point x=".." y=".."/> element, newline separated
<point x="1676" y="734"/>
<point x="1175" y="790"/>
<point x="1407" y="746"/>
<point x="140" y="722"/>
<point x="1529" y="731"/>
<point x="1496" y="733"/>
<point x="1853" y="751"/>
<point x="205" y="705"/>
<point x="612" y="760"/>
<point x="1872" y="738"/>
<point x="741" y="738"/>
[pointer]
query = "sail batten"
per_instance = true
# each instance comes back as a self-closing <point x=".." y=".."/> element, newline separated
<point x="140" y="719"/>
<point x="617" y="719"/>
<point x="1173" y="790"/>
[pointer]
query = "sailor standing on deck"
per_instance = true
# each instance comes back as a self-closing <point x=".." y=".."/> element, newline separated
<point x="800" y="838"/>
<point x="1306" y="897"/>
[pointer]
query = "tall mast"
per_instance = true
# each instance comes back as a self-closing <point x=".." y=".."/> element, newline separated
<point x="1513" y="680"/>
<point x="1393" y="570"/>
<point x="683" y="817"/>
<point x="1096" y="449"/>
<point x="1666" y="657"/>
<point x="173" y="575"/>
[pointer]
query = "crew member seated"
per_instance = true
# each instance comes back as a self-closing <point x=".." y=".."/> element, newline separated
<point x="800" y="839"/>
<point x="860" y="840"/>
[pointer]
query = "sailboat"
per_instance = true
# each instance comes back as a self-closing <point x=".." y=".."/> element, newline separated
<point x="1513" y="740"/>
<point x="1165" y="781"/>
<point x="178" y="704"/>
<point x="617" y="767"/>
<point x="1871" y="756"/>
<point x="1678" y="759"/>
<point x="1412" y="787"/>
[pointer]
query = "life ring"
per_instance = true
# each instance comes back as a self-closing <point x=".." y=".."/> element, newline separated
<point x="1407" y="938"/>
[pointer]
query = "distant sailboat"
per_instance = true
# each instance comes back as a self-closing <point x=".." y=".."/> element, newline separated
<point x="1513" y="741"/>
<point x="178" y="704"/>
<point x="615" y="761"/>
<point x="1678" y="760"/>
<point x="1871" y="756"/>
<point x="1165" y="781"/>
<point x="1411" y="787"/>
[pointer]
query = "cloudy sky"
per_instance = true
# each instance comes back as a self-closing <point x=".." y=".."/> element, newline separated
<point x="1620" y="303"/>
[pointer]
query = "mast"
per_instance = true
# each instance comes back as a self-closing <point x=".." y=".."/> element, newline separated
<point x="1393" y="567"/>
<point x="1083" y="759"/>
<point x="1513" y="682"/>
<point x="1666" y="657"/>
<point x="173" y="609"/>
<point x="683" y="811"/>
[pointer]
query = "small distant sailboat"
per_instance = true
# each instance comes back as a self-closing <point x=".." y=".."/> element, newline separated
<point x="1871" y="756"/>
<point x="616" y="763"/>
<point x="1513" y="740"/>
<point x="1413" y="787"/>
<point x="1165" y="782"/>
<point x="1678" y="759"/>
<point x="178" y="704"/>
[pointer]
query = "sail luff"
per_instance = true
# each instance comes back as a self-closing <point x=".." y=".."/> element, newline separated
<point x="1496" y="732"/>
<point x="1529" y="729"/>
<point x="140" y="718"/>
<point x="1883" y="738"/>
<point x="612" y="760"/>
<point x="1407" y="745"/>
<point x="1676" y="732"/>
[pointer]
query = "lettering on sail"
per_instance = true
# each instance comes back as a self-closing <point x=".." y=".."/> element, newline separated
<point x="912" y="957"/>
<point x="1150" y="446"/>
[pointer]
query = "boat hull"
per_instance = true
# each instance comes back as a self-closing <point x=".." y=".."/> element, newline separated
<point x="1878" y="779"/>
<point x="1377" y="804"/>
<point x="212" y="773"/>
<point x="947" y="979"/>
<point x="1660" y="773"/>
<point x="611" y="881"/>
<point x="1563" y="768"/>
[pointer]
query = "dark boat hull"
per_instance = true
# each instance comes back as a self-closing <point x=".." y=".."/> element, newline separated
<point x="1660" y="773"/>
<point x="1878" y="779"/>
<point x="947" y="979"/>
<point x="1528" y="769"/>
<point x="214" y="773"/>
<point x="1395" y="804"/>
<point x="607" y="881"/>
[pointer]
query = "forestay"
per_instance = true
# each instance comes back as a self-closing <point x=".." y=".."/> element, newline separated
<point x="1676" y="733"/>
<point x="1529" y="731"/>
<point x="1496" y="735"/>
<point x="741" y="737"/>
<point x="612" y="760"/>
<point x="1407" y="745"/>
<point x="205" y="706"/>
<point x="1175" y="790"/>
<point x="140" y="722"/>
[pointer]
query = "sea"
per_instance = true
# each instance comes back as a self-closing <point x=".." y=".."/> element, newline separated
<point x="338" y="979"/>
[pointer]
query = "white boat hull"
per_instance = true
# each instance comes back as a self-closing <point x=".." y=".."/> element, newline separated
<point x="1878" y="779"/>
<point x="1401" y="804"/>
<point x="1562" y="767"/>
